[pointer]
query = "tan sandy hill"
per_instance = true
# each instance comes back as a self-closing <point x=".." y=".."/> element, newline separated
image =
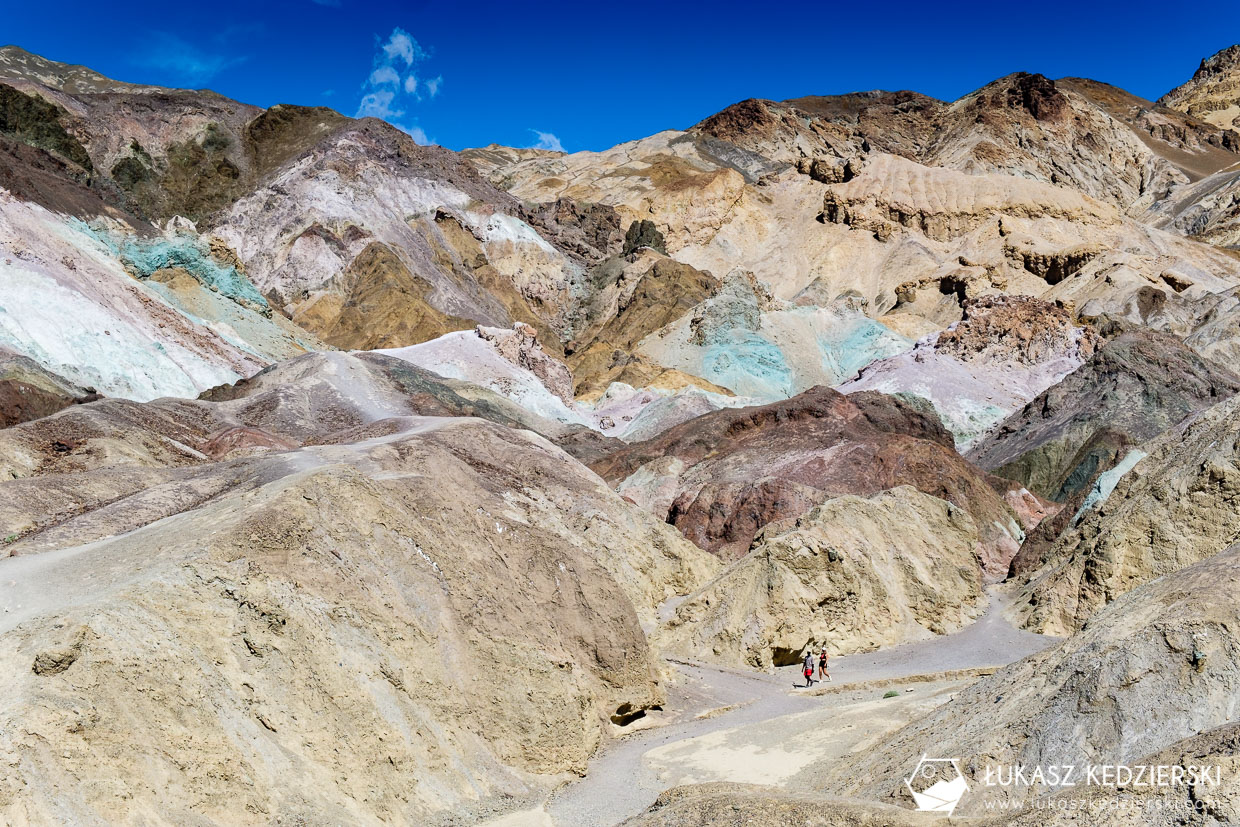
<point x="1132" y="389"/>
<point x="1174" y="508"/>
<point x="1213" y="92"/>
<point x="1158" y="665"/>
<point x="852" y="574"/>
<point x="257" y="633"/>
<point x="294" y="601"/>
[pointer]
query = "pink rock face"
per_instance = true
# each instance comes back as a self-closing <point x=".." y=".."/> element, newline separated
<point x="1004" y="352"/>
<point x="520" y="346"/>
<point x="1030" y="509"/>
<point x="244" y="441"/>
<point x="746" y="468"/>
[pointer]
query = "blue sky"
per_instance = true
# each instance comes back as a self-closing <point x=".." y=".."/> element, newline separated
<point x="588" y="75"/>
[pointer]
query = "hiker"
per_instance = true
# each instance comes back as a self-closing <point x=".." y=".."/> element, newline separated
<point x="808" y="668"/>
<point x="822" y="665"/>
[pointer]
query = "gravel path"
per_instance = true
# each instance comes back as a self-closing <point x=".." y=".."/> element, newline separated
<point x="621" y="784"/>
<point x="990" y="641"/>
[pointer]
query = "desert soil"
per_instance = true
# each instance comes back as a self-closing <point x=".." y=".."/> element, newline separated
<point x="723" y="724"/>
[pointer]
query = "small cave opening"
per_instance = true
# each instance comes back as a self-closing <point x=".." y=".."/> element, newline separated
<point x="781" y="656"/>
<point x="626" y="714"/>
<point x="959" y="288"/>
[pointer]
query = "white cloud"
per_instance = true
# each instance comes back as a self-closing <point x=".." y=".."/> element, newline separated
<point x="401" y="45"/>
<point x="417" y="133"/>
<point x="385" y="95"/>
<point x="546" y="140"/>
<point x="383" y="76"/>
<point x="379" y="105"/>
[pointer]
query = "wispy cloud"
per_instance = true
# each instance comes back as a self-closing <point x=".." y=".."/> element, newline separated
<point x="184" y="62"/>
<point x="546" y="140"/>
<point x="394" y="83"/>
<point x="401" y="46"/>
<point x="418" y="134"/>
<point x="383" y="76"/>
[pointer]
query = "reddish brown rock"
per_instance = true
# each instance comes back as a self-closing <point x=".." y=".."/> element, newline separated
<point x="1015" y="328"/>
<point x="749" y="467"/>
<point x="28" y="391"/>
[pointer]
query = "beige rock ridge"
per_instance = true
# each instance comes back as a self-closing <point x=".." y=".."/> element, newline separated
<point x="1213" y="92"/>
<point x="1158" y="665"/>
<point x="901" y="235"/>
<point x="399" y="627"/>
<point x="1176" y="507"/>
<point x="853" y="574"/>
<point x="943" y="204"/>
<point x="1002" y="234"/>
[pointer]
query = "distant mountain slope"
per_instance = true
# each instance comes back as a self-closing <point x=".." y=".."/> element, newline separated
<point x="1213" y="92"/>
<point x="1135" y="387"/>
<point x="312" y="223"/>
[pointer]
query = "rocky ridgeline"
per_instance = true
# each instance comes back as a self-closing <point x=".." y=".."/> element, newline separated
<point x="1213" y="92"/>
<point x="343" y="478"/>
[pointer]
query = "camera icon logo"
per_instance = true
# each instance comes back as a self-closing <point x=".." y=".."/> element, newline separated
<point x="937" y="785"/>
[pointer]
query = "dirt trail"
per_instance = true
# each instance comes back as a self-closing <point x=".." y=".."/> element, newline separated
<point x="50" y="581"/>
<point x="627" y="776"/>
